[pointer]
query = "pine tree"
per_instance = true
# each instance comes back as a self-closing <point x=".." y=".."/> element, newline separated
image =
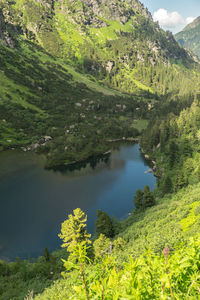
<point x="138" y="199"/>
<point x="148" y="197"/>
<point x="104" y="224"/>
<point x="167" y="186"/>
<point x="46" y="254"/>
<point x="173" y="153"/>
<point x="74" y="232"/>
<point x="181" y="181"/>
<point x="76" y="240"/>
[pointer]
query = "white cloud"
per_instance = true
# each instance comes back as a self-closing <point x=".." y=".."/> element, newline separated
<point x="168" y="19"/>
<point x="190" y="20"/>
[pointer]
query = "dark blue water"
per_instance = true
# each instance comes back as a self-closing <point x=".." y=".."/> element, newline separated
<point x="34" y="202"/>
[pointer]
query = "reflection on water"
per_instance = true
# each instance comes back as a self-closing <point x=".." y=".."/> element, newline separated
<point x="34" y="201"/>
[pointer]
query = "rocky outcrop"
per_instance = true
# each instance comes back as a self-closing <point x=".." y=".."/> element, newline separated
<point x="5" y="37"/>
<point x="92" y="12"/>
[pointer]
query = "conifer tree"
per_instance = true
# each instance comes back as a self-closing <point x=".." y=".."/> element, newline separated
<point x="148" y="197"/>
<point x="138" y="199"/>
<point x="76" y="240"/>
<point x="181" y="181"/>
<point x="173" y="153"/>
<point x="104" y="224"/>
<point x="167" y="186"/>
<point x="46" y="254"/>
<point x="74" y="232"/>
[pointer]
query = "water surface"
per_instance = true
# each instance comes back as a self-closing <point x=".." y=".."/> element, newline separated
<point x="34" y="202"/>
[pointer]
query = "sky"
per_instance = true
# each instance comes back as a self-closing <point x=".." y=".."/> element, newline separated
<point x="173" y="15"/>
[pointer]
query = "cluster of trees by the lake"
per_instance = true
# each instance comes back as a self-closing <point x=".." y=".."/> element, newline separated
<point x="173" y="140"/>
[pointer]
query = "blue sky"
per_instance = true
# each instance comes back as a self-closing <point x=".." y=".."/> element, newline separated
<point x="173" y="15"/>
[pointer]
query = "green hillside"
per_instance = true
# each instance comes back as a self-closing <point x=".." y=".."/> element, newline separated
<point x="117" y="42"/>
<point x="137" y="266"/>
<point x="36" y="89"/>
<point x="75" y="75"/>
<point x="58" y="56"/>
<point x="190" y="37"/>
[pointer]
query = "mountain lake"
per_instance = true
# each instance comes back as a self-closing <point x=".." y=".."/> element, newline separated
<point x="34" y="201"/>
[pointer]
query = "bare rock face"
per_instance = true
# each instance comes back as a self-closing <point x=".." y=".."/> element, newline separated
<point x="2" y="25"/>
<point x="92" y="12"/>
<point x="4" y="35"/>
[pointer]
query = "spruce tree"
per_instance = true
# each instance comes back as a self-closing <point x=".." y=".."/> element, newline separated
<point x="138" y="199"/>
<point x="173" y="153"/>
<point x="148" y="197"/>
<point x="167" y="186"/>
<point x="46" y="254"/>
<point x="104" y="225"/>
<point x="74" y="232"/>
<point x="181" y="181"/>
<point x="76" y="240"/>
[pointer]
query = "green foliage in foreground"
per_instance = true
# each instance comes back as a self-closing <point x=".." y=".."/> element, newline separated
<point x="20" y="278"/>
<point x="170" y="275"/>
<point x="170" y="223"/>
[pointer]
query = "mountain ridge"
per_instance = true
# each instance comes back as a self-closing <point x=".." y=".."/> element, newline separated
<point x="89" y="35"/>
<point x="189" y="37"/>
<point x="192" y="25"/>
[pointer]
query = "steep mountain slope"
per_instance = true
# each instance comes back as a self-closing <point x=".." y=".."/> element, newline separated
<point x="49" y="107"/>
<point x="115" y="41"/>
<point x="189" y="37"/>
<point x="55" y="56"/>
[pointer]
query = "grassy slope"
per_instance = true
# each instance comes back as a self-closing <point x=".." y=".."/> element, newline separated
<point x="172" y="221"/>
<point x="37" y="87"/>
<point x="33" y="90"/>
<point x="121" y="54"/>
<point x="174" y="218"/>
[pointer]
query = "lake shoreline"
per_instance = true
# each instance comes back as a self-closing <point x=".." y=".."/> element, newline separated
<point x="42" y="199"/>
<point x="78" y="163"/>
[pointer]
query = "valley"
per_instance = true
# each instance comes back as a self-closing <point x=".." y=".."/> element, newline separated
<point x="99" y="130"/>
